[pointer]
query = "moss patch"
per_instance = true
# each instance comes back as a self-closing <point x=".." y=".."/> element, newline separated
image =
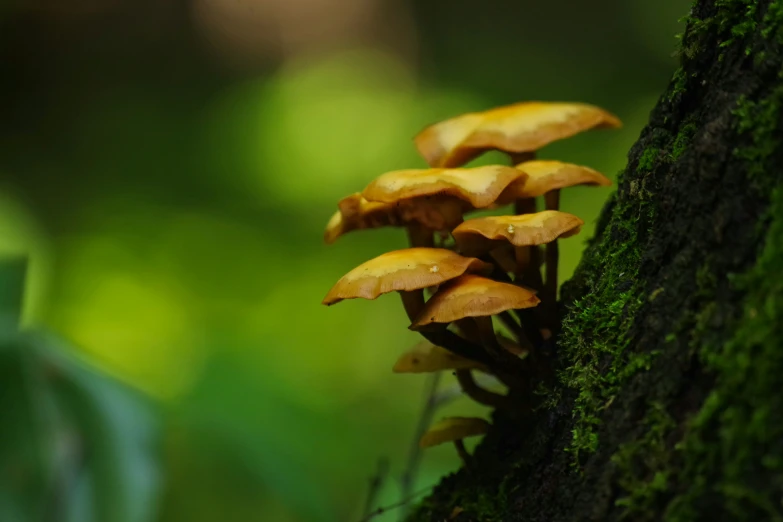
<point x="635" y="459"/>
<point x="759" y="119"/>
<point x="734" y="448"/>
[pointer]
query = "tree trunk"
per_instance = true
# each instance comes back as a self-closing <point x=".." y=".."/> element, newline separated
<point x="669" y="404"/>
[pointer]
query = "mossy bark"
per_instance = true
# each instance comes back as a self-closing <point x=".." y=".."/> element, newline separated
<point x="669" y="403"/>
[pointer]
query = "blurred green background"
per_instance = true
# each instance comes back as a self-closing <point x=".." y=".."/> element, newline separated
<point x="169" y="165"/>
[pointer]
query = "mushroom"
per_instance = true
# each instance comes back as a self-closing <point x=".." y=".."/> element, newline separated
<point x="408" y="272"/>
<point x="474" y="296"/>
<point x="470" y="295"/>
<point x="356" y="213"/>
<point x="546" y="178"/>
<point x="480" y="235"/>
<point x="454" y="429"/>
<point x="426" y="357"/>
<point x="519" y="129"/>
<point x="479" y="186"/>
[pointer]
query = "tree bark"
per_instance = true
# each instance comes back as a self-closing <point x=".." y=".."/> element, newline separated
<point x="669" y="402"/>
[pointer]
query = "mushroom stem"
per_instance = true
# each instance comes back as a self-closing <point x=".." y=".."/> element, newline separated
<point x="419" y="235"/>
<point x="521" y="157"/>
<point x="527" y="257"/>
<point x="552" y="200"/>
<point x="502" y="257"/>
<point x="522" y="258"/>
<point x="468" y="328"/>
<point x="502" y="357"/>
<point x="479" y="394"/>
<point x="527" y="317"/>
<point x="516" y="329"/>
<point x="525" y="206"/>
<point x="413" y="302"/>
<point x="527" y="261"/>
<point x="462" y="452"/>
<point x="489" y="340"/>
<point x="532" y="276"/>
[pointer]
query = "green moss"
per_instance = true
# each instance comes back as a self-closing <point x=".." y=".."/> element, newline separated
<point x="596" y="332"/>
<point x="683" y="139"/>
<point x="732" y="453"/>
<point x="772" y="21"/>
<point x="758" y="119"/>
<point x="736" y="439"/>
<point x="642" y="465"/>
<point x="734" y="21"/>
<point x="645" y="464"/>
<point x="679" y="84"/>
<point x="595" y="329"/>
<point x="648" y="158"/>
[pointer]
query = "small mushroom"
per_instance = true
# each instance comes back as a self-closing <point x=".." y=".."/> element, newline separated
<point x="479" y="186"/>
<point x="545" y="176"/>
<point x="474" y="296"/>
<point x="409" y="272"/>
<point x="356" y="213"/>
<point x="426" y="357"/>
<point x="455" y="429"/>
<point x="519" y="129"/>
<point x="481" y="235"/>
<point x="480" y="298"/>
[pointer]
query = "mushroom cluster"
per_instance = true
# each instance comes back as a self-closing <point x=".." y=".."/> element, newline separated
<point x="480" y="269"/>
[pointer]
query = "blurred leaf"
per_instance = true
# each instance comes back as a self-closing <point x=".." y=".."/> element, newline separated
<point x="114" y="441"/>
<point x="75" y="446"/>
<point x="25" y="435"/>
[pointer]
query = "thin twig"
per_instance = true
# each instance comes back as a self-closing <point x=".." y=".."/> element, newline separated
<point x="414" y="455"/>
<point x="376" y="483"/>
<point x="399" y="504"/>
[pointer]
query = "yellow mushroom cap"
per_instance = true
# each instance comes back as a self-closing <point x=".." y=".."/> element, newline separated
<point x="356" y="213"/>
<point x="426" y="357"/>
<point x="451" y="429"/>
<point x="479" y="235"/>
<point x="521" y="127"/>
<point x="335" y="227"/>
<point x="545" y="175"/>
<point x="473" y="296"/>
<point x="479" y="186"/>
<point x="403" y="270"/>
